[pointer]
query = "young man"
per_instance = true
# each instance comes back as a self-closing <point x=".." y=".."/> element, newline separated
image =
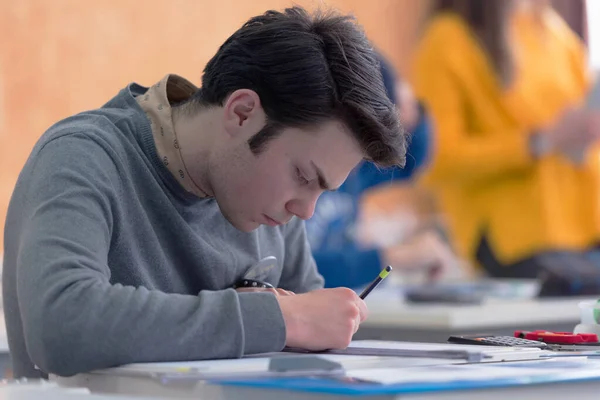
<point x="130" y="224"/>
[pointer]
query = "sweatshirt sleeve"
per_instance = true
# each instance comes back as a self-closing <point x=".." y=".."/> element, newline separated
<point x="74" y="318"/>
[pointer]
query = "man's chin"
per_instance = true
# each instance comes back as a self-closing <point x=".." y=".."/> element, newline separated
<point x="248" y="227"/>
<point x="243" y="226"/>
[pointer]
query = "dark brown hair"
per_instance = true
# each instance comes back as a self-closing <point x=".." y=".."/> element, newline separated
<point x="308" y="69"/>
<point x="489" y="21"/>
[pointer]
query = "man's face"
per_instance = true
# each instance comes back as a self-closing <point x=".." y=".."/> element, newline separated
<point x="286" y="178"/>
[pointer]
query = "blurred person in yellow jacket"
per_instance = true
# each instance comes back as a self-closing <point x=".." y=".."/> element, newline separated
<point x="514" y="161"/>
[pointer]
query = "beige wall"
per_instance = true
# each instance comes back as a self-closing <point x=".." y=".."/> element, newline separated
<point x="59" y="57"/>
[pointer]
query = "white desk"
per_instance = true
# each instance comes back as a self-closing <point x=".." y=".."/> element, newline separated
<point x="33" y="395"/>
<point x="162" y="380"/>
<point x="390" y="318"/>
<point x="49" y="391"/>
<point x="109" y="383"/>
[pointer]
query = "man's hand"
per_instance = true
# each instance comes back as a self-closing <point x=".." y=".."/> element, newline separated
<point x="322" y="319"/>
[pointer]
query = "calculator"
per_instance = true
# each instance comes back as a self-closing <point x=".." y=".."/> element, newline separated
<point x="507" y="341"/>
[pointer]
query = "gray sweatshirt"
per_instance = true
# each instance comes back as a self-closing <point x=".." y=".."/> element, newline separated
<point x="108" y="260"/>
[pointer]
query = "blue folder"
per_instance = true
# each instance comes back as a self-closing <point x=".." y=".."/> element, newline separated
<point x="348" y="386"/>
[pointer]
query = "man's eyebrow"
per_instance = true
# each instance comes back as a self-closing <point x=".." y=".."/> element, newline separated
<point x="322" y="181"/>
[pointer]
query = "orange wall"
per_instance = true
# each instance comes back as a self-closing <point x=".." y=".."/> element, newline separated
<point x="59" y="57"/>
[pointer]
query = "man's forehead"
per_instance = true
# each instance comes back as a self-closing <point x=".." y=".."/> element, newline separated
<point x="328" y="146"/>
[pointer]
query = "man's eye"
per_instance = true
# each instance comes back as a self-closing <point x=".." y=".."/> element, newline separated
<point x="301" y="177"/>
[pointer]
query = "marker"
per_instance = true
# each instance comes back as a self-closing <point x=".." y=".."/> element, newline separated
<point x="382" y="275"/>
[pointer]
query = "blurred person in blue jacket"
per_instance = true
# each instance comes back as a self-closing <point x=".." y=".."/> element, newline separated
<point x="332" y="229"/>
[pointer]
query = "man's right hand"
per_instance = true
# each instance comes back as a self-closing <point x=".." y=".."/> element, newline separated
<point x="322" y="319"/>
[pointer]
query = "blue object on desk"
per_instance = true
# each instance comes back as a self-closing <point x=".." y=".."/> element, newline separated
<point x="338" y="386"/>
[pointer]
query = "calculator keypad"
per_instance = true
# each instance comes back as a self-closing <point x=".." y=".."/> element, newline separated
<point x="511" y="341"/>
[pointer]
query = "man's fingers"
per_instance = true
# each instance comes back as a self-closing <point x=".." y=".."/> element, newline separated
<point x="357" y="322"/>
<point x="363" y="311"/>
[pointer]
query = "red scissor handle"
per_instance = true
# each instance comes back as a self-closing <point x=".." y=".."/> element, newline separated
<point x="558" y="337"/>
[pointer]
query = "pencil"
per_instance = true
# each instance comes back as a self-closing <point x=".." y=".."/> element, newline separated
<point x="385" y="272"/>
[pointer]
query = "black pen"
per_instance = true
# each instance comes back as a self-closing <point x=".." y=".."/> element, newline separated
<point x="385" y="272"/>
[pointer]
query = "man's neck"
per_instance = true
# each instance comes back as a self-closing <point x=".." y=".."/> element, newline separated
<point x="196" y="136"/>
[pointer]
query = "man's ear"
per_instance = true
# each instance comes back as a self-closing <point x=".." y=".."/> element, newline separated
<point x="243" y="113"/>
